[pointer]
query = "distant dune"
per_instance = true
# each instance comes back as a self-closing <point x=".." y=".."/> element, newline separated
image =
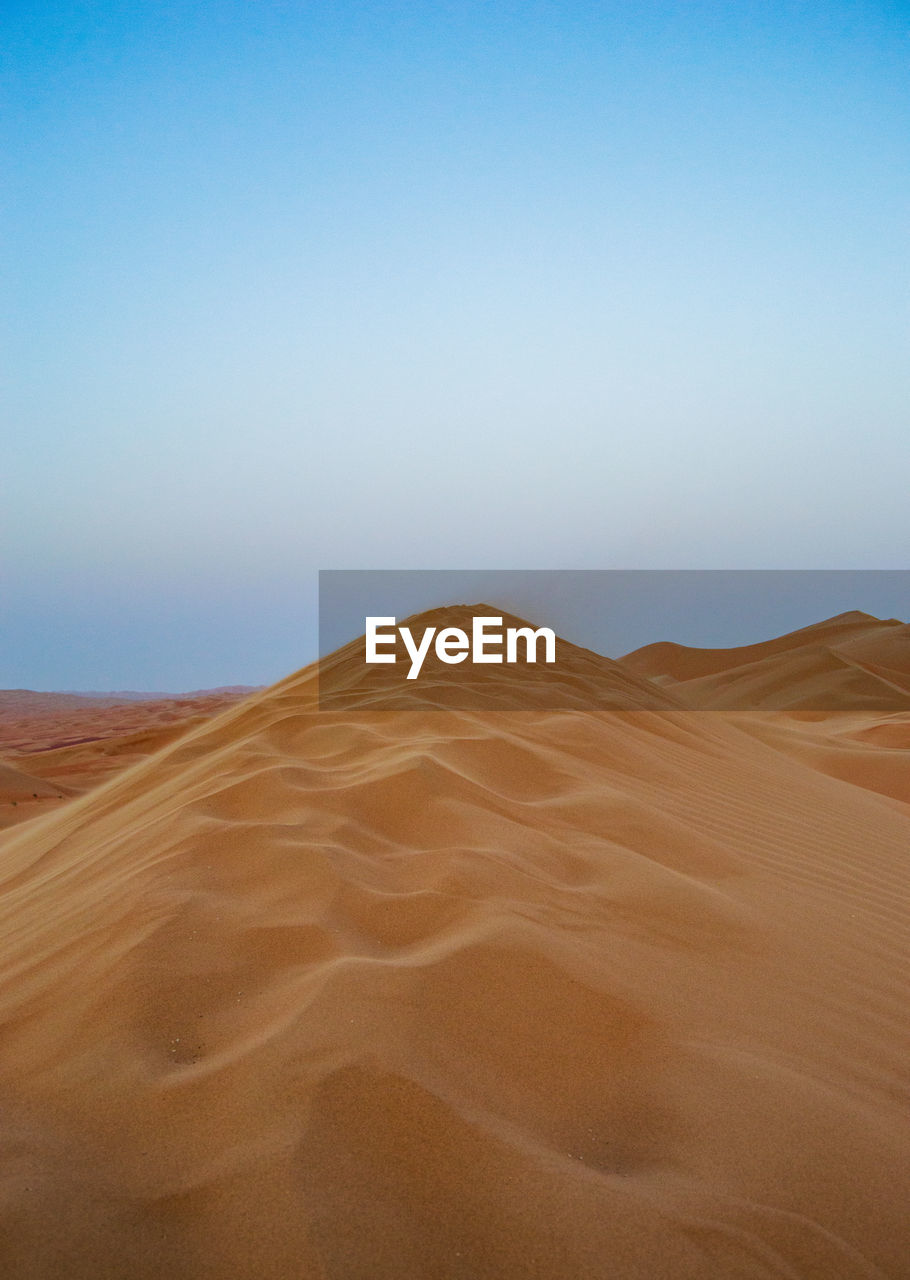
<point x="415" y="994"/>
<point x="68" y="743"/>
<point x="16" y="785"/>
<point x="133" y="695"/>
<point x="32" y="721"/>
<point x="851" y="661"/>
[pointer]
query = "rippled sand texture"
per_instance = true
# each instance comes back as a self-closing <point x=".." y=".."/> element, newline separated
<point x="379" y="995"/>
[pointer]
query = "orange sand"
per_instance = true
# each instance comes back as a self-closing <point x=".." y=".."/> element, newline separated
<point x="851" y="660"/>
<point x="375" y="995"/>
<point x="55" y="745"/>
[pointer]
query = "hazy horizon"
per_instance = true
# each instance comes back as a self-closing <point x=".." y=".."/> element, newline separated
<point x="612" y="612"/>
<point x="294" y="286"/>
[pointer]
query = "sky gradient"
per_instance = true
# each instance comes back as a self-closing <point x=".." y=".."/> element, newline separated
<point x="294" y="286"/>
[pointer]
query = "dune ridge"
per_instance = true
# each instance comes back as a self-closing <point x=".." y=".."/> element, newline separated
<point x="853" y="661"/>
<point x="433" y="993"/>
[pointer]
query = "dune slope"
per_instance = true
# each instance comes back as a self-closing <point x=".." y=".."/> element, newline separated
<point x="852" y="661"/>
<point x="433" y="993"/>
<point x="55" y="745"/>
<point x="22" y="794"/>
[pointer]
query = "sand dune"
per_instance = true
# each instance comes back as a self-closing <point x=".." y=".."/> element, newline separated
<point x="851" y="661"/>
<point x="84" y="764"/>
<point x="100" y="735"/>
<point x="15" y="784"/>
<point x="870" y="752"/>
<point x="886" y="646"/>
<point x="682" y="662"/>
<point x="22" y="795"/>
<point x="381" y="994"/>
<point x="31" y="721"/>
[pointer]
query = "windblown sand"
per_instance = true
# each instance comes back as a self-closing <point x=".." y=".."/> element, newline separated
<point x="376" y="995"/>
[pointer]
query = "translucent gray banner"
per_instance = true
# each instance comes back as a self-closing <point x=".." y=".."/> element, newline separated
<point x="629" y="640"/>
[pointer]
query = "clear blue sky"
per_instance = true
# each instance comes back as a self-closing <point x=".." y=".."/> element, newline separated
<point x="299" y="285"/>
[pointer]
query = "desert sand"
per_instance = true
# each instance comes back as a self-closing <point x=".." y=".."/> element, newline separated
<point x="57" y="745"/>
<point x="380" y="994"/>
<point x="853" y="660"/>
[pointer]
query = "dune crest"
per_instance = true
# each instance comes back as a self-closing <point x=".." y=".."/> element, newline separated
<point x="852" y="661"/>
